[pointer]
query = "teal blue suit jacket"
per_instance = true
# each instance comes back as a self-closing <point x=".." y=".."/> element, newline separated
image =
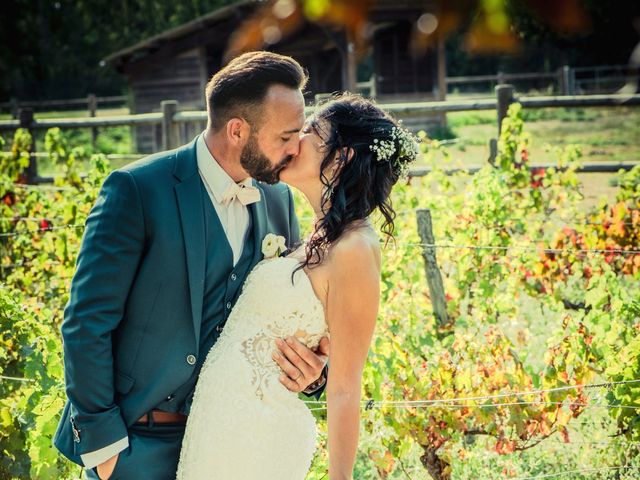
<point x="135" y="306"/>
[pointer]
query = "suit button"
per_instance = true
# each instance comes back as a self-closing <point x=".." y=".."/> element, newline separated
<point x="228" y="305"/>
<point x="191" y="359"/>
<point x="233" y="277"/>
<point x="219" y="328"/>
<point x="169" y="398"/>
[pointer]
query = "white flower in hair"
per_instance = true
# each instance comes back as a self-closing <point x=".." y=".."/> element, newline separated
<point x="273" y="245"/>
<point x="386" y="149"/>
<point x="383" y="149"/>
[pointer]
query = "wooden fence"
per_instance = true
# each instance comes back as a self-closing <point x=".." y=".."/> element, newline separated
<point x="565" y="80"/>
<point x="173" y="121"/>
<point x="90" y="103"/>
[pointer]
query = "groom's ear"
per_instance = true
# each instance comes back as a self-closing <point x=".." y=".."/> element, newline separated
<point x="238" y="131"/>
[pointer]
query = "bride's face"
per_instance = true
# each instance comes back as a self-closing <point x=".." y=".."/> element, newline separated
<point x="303" y="171"/>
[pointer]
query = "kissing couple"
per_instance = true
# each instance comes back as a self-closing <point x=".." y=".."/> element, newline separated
<point x="188" y="335"/>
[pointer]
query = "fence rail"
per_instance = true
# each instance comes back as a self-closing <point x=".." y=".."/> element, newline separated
<point x="566" y="80"/>
<point x="157" y="118"/>
<point x="87" y="102"/>
<point x="171" y="120"/>
<point x="501" y="77"/>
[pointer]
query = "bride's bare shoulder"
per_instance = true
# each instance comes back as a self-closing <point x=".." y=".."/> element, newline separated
<point x="356" y="248"/>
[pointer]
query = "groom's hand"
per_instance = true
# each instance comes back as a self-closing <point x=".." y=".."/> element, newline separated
<point x="301" y="365"/>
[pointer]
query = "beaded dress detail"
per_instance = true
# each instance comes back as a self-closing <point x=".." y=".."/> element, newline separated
<point x="244" y="424"/>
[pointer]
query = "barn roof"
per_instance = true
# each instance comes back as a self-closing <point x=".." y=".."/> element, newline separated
<point x="236" y="11"/>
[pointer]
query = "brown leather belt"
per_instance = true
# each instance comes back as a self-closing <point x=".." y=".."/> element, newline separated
<point x="158" y="416"/>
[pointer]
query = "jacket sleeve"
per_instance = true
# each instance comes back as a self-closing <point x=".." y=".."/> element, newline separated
<point x="320" y="390"/>
<point x="112" y="246"/>
<point x="95" y="458"/>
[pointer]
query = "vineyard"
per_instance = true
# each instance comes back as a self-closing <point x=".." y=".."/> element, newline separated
<point x="535" y="370"/>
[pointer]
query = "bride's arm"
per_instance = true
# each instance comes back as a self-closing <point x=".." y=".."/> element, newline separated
<point x="352" y="308"/>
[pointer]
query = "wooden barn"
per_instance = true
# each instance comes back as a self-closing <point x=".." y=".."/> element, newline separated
<point x="176" y="64"/>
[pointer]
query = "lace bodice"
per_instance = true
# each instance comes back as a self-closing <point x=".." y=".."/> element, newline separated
<point x="240" y="407"/>
<point x="271" y="307"/>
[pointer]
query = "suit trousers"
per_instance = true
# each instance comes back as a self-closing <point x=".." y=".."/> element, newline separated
<point x="153" y="453"/>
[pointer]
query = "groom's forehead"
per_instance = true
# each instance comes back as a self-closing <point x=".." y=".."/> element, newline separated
<point x="284" y="120"/>
<point x="283" y="108"/>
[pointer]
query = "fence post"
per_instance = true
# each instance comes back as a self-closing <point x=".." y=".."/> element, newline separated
<point x="169" y="130"/>
<point x="373" y="91"/>
<point x="504" y="94"/>
<point x="92" y="103"/>
<point x="493" y="150"/>
<point x="566" y="87"/>
<point x="25" y="116"/>
<point x="15" y="107"/>
<point x="500" y="80"/>
<point x="434" y="277"/>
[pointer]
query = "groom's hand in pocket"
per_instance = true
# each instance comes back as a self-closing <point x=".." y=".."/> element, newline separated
<point x="105" y="470"/>
<point x="301" y="365"/>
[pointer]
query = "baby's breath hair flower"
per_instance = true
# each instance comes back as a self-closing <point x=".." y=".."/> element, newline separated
<point x="400" y="150"/>
<point x="384" y="149"/>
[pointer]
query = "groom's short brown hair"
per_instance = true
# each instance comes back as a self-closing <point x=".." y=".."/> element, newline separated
<point x="238" y="89"/>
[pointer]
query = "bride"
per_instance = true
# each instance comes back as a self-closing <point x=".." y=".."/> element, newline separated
<point x="244" y="424"/>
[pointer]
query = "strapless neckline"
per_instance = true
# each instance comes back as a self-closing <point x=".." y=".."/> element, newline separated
<point x="316" y="299"/>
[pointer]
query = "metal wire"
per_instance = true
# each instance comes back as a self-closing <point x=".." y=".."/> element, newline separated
<point x="428" y="245"/>
<point x="567" y="472"/>
<point x="491" y="397"/>
<point x="494" y="405"/>
<point x="26" y="233"/>
<point x="17" y="379"/>
<point x="615" y="251"/>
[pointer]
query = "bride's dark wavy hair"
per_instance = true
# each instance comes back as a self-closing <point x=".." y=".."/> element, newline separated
<point x="348" y="125"/>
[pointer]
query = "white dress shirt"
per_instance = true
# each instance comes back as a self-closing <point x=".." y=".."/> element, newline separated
<point x="234" y="217"/>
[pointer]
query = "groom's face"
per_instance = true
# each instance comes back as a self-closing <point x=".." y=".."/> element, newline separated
<point x="277" y="139"/>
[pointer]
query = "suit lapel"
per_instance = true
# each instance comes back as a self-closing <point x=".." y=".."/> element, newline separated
<point x="259" y="224"/>
<point x="189" y="198"/>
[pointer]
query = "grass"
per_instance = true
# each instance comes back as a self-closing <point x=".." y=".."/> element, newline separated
<point x="606" y="134"/>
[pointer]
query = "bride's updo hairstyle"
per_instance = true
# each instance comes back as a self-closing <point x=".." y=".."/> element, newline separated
<point x="366" y="152"/>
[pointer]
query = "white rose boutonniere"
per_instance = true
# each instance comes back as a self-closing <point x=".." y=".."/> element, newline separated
<point x="273" y="245"/>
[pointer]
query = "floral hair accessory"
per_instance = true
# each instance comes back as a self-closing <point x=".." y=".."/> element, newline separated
<point x="401" y="138"/>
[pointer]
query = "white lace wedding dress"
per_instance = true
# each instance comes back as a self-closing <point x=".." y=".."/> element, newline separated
<point x="244" y="424"/>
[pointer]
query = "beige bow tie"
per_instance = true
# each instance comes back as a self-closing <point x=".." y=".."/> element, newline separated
<point x="245" y="194"/>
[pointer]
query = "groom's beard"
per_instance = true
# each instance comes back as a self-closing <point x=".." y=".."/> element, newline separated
<point x="258" y="165"/>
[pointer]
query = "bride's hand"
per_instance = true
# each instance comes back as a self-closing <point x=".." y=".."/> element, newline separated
<point x="301" y="365"/>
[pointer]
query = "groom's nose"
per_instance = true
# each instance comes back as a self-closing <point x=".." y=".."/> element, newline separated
<point x="293" y="146"/>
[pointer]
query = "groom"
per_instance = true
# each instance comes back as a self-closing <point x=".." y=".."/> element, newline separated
<point x="166" y="249"/>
